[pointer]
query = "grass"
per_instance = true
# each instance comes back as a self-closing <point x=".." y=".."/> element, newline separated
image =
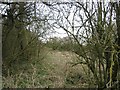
<point x="54" y="71"/>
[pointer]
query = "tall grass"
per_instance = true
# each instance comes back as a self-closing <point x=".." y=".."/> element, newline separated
<point x="56" y="70"/>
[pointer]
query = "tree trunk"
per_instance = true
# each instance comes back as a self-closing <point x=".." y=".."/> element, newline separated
<point x="117" y="60"/>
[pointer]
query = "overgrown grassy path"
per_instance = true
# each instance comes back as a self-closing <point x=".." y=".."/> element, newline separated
<point x="57" y="64"/>
<point x="54" y="71"/>
<point x="61" y="73"/>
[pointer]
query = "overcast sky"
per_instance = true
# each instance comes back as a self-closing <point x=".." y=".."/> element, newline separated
<point x="60" y="32"/>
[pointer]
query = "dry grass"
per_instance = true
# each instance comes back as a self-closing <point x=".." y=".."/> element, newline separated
<point x="54" y="71"/>
<point x="60" y="67"/>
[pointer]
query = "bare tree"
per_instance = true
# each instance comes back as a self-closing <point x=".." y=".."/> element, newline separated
<point x="92" y="27"/>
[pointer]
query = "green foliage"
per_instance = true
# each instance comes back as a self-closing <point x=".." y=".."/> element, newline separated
<point x="62" y="44"/>
<point x="29" y="76"/>
<point x="20" y="44"/>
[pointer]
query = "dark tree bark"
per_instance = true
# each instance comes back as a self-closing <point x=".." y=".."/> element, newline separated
<point x="118" y="28"/>
<point x="117" y="60"/>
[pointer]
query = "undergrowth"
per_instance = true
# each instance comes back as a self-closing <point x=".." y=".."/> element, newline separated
<point x="54" y="71"/>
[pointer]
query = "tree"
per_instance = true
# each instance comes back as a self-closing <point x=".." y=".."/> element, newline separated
<point x="96" y="36"/>
<point x="20" y="39"/>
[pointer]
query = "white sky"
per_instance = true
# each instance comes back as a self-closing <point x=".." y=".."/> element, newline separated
<point x="61" y="33"/>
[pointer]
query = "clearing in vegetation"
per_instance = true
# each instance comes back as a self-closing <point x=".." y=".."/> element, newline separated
<point x="56" y="70"/>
